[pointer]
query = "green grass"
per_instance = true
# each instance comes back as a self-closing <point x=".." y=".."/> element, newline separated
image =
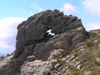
<point x="90" y="57"/>
<point x="59" y="62"/>
<point x="89" y="44"/>
<point x="76" y="54"/>
<point x="97" y="63"/>
<point x="96" y="72"/>
<point x="92" y="34"/>
<point x="62" y="62"/>
<point x="74" y="71"/>
<point x="55" y="63"/>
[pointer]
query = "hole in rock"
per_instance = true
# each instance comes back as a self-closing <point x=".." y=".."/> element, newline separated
<point x="50" y="33"/>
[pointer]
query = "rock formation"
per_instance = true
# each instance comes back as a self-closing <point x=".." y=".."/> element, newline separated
<point x="35" y="43"/>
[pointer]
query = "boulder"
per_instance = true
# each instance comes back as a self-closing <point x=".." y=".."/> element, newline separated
<point x="36" y="67"/>
<point x="57" y="53"/>
<point x="33" y="38"/>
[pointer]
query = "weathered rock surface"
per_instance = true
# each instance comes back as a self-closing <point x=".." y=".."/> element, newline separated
<point x="5" y="61"/>
<point x="36" y="67"/>
<point x="57" y="53"/>
<point x="33" y="39"/>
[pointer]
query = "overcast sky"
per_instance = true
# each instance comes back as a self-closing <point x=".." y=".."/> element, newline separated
<point x="13" y="12"/>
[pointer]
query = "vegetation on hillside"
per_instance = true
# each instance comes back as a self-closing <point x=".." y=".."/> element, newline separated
<point x="86" y="57"/>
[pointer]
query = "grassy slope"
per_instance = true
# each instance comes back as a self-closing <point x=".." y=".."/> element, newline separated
<point x="88" y="55"/>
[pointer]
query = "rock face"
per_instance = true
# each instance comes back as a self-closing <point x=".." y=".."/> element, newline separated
<point x="33" y="38"/>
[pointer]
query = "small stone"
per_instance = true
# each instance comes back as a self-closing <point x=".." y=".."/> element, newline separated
<point x="53" y="61"/>
<point x="77" y="64"/>
<point x="72" y="57"/>
<point x="81" y="49"/>
<point x="78" y="67"/>
<point x="63" y="59"/>
<point x="81" y="46"/>
<point x="55" y="71"/>
<point x="99" y="45"/>
<point x="68" y="56"/>
<point x="83" y="67"/>
<point x="35" y="74"/>
<point x="67" y="61"/>
<point x="59" y="73"/>
<point x="73" y="60"/>
<point x="57" y="66"/>
<point x="76" y="58"/>
<point x="71" y="64"/>
<point x="95" y="41"/>
<point x="83" y="52"/>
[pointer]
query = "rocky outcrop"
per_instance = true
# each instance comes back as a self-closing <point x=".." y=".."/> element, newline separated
<point x="34" y="31"/>
<point x="33" y="39"/>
